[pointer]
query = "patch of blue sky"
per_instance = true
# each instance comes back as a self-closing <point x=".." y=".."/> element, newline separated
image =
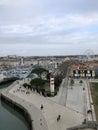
<point x="92" y="29"/>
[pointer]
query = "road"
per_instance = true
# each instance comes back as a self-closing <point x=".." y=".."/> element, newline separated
<point x="63" y="98"/>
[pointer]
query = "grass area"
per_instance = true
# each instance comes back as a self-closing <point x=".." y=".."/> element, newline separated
<point x="94" y="92"/>
<point x="95" y="86"/>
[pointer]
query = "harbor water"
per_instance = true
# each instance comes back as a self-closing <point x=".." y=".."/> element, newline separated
<point x="9" y="118"/>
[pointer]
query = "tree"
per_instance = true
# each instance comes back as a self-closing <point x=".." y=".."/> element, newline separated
<point x="39" y="71"/>
<point x="48" y="76"/>
<point x="38" y="84"/>
<point x="64" y="68"/>
<point x="58" y="79"/>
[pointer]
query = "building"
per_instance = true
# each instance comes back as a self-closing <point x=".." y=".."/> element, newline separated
<point x="84" y="70"/>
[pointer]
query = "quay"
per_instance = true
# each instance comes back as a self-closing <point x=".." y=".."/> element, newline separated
<point x="29" y="111"/>
<point x="45" y="119"/>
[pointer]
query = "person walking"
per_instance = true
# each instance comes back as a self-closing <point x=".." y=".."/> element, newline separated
<point x="41" y="107"/>
<point x="58" y="118"/>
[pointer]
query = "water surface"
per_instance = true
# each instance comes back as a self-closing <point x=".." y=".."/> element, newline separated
<point x="9" y="118"/>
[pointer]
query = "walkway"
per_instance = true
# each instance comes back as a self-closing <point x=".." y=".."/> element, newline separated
<point x="76" y="97"/>
<point x="50" y="111"/>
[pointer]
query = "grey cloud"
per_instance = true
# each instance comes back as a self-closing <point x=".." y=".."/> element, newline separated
<point x="25" y="40"/>
<point x="70" y="6"/>
<point x="13" y="13"/>
<point x="29" y="9"/>
<point x="56" y="26"/>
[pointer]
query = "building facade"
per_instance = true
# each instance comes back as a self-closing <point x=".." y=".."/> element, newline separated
<point x="84" y="70"/>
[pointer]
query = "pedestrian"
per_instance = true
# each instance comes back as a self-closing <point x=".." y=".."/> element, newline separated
<point x="83" y="89"/>
<point x="58" y="118"/>
<point x="41" y="107"/>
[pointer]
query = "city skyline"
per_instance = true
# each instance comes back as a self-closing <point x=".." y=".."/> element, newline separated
<point x="46" y="27"/>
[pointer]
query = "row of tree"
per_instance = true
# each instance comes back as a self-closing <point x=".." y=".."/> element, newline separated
<point x="36" y="84"/>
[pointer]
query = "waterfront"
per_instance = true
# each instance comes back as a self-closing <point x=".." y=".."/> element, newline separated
<point x="9" y="118"/>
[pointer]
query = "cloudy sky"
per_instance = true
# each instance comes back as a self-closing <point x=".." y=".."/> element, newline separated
<point x="48" y="27"/>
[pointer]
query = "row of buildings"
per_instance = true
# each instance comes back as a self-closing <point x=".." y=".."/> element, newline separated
<point x="87" y="69"/>
<point x="13" y="66"/>
<point x="49" y="63"/>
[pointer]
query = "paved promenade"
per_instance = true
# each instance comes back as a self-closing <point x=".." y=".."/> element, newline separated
<point x="51" y="110"/>
<point x="79" y="99"/>
<point x="71" y="106"/>
<point x="37" y="118"/>
<point x="76" y="97"/>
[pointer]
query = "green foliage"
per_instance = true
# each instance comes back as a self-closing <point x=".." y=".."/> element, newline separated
<point x="94" y="92"/>
<point x="48" y="76"/>
<point x="39" y="71"/>
<point x="58" y="79"/>
<point x="96" y="100"/>
<point x="49" y="94"/>
<point x="95" y="86"/>
<point x="57" y="88"/>
<point x="37" y="84"/>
